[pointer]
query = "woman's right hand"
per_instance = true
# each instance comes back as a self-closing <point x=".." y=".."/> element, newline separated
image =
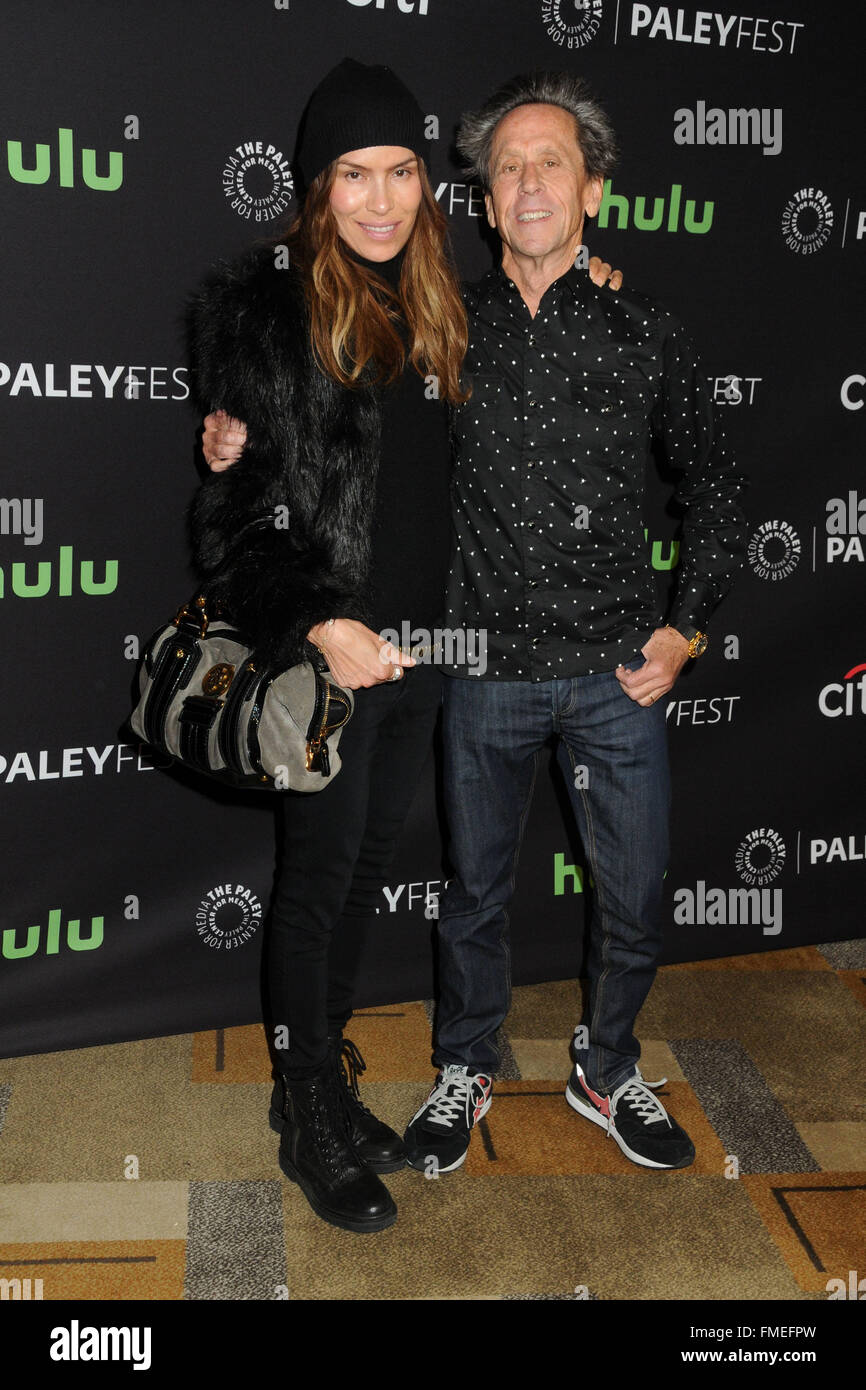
<point x="357" y="656"/>
<point x="223" y="440"/>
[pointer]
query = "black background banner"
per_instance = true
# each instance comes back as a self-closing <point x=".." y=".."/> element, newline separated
<point x="141" y="143"/>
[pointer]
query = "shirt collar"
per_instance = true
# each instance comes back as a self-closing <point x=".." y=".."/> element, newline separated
<point x="573" y="281"/>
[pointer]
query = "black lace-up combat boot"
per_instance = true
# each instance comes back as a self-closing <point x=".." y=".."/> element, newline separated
<point x="316" y="1153"/>
<point x="380" y="1147"/>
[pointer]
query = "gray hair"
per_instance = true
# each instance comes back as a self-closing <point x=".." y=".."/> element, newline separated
<point x="594" y="132"/>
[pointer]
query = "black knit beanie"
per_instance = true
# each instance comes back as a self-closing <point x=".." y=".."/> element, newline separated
<point x="355" y="107"/>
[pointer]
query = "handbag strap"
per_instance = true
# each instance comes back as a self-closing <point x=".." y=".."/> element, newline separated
<point x="193" y="614"/>
<point x="258" y="523"/>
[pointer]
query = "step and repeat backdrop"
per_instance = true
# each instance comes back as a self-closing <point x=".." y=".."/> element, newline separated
<point x="140" y="143"/>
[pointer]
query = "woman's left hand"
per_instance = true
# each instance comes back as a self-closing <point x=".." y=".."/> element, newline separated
<point x="356" y="655"/>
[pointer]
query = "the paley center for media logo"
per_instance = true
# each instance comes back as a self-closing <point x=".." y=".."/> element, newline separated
<point x="571" y="24"/>
<point x="807" y="221"/>
<point x="257" y="180"/>
<point x="773" y="550"/>
<point x="228" y="916"/>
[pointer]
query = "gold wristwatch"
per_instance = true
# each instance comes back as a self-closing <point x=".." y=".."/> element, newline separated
<point x="698" y="641"/>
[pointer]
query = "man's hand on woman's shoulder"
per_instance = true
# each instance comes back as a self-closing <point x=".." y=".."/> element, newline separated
<point x="600" y="273"/>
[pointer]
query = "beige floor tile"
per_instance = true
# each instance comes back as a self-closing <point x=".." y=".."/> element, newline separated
<point x="838" y="1145"/>
<point x="93" y="1211"/>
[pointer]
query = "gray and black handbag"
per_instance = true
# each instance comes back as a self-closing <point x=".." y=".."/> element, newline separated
<point x="205" y="701"/>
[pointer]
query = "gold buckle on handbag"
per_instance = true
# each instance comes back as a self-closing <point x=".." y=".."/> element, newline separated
<point x="187" y="612"/>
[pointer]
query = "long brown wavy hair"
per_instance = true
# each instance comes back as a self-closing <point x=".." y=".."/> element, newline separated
<point x="352" y="309"/>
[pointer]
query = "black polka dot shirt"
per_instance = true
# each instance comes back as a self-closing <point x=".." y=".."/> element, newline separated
<point x="551" y="457"/>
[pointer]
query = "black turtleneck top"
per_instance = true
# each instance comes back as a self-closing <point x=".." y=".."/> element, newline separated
<point x="412" y="535"/>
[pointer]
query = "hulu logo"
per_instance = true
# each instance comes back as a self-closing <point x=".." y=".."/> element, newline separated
<point x="64" y="164"/>
<point x="660" y="561"/>
<point x="24" y="584"/>
<point x="651" y="222"/>
<point x="54" y="938"/>
<point x="563" y="873"/>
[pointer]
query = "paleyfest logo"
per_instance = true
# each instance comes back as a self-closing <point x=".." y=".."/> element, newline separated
<point x="228" y="916"/>
<point x="807" y="221"/>
<point x="571" y="23"/>
<point x="258" y="182"/>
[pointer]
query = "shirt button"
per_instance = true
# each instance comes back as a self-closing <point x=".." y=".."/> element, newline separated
<point x="532" y="404"/>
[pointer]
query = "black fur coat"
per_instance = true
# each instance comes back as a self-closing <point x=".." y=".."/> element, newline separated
<point x="312" y="448"/>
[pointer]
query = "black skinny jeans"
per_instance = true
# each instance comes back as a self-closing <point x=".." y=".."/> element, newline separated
<point x="336" y="847"/>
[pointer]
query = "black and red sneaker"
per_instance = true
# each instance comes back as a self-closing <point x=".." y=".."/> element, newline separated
<point x="635" y="1118"/>
<point x="437" y="1137"/>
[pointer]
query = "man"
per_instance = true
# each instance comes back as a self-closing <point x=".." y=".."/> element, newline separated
<point x="570" y="384"/>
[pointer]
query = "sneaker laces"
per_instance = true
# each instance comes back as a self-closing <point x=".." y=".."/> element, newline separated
<point x="637" y="1095"/>
<point x="448" y="1098"/>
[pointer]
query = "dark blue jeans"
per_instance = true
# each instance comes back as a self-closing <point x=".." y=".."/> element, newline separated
<point x="493" y="734"/>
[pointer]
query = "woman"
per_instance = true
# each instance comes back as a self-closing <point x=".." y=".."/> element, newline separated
<point x="322" y="345"/>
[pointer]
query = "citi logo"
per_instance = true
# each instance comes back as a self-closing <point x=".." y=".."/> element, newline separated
<point x="54" y="938"/>
<point x="652" y="222"/>
<point x="63" y="162"/>
<point x="849" y="399"/>
<point x="60" y="579"/>
<point x="736" y="126"/>
<point x="840" y="697"/>
<point x="846" y="523"/>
